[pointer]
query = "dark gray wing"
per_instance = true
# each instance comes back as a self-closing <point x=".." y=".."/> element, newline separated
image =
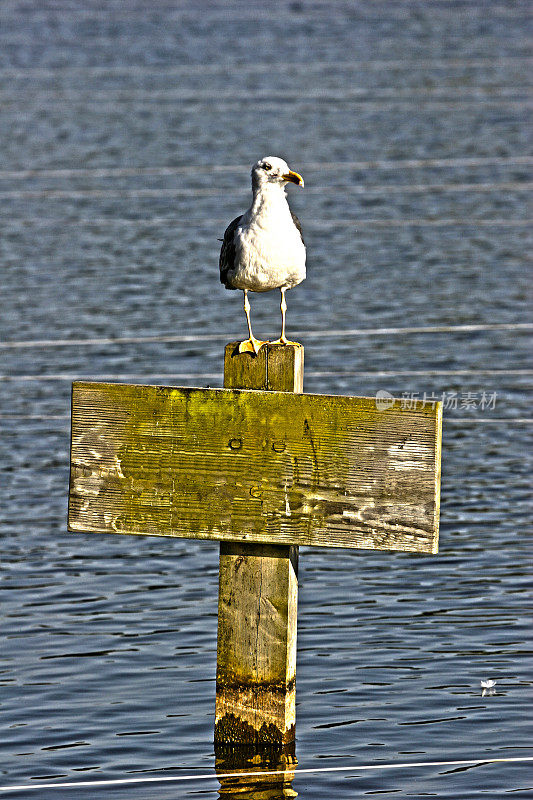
<point x="298" y="225"/>
<point x="227" y="252"/>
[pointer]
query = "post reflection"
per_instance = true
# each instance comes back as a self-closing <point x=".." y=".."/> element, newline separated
<point x="260" y="785"/>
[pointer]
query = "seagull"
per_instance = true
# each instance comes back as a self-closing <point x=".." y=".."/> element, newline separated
<point x="263" y="249"/>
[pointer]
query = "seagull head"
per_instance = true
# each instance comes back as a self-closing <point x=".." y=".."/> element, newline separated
<point x="273" y="171"/>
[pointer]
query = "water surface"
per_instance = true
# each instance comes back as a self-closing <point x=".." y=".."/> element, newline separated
<point x="128" y="134"/>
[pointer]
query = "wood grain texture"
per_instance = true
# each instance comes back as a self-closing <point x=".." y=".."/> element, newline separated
<point x="258" y="598"/>
<point x="278" y="368"/>
<point x="256" y="644"/>
<point x="255" y="466"/>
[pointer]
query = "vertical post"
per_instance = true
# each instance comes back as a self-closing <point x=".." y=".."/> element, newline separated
<point x="258" y="596"/>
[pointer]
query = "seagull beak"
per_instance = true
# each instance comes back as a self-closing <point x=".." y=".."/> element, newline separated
<point x="293" y="177"/>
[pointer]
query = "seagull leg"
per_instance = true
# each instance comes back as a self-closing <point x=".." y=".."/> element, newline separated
<point x="283" y="305"/>
<point x="251" y="345"/>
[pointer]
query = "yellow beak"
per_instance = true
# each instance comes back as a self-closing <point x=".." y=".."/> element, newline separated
<point x="293" y="177"/>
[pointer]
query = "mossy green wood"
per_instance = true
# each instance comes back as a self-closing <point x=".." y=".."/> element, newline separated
<point x="278" y="368"/>
<point x="258" y="598"/>
<point x="271" y="467"/>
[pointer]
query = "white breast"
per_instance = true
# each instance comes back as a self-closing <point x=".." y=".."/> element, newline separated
<point x="269" y="250"/>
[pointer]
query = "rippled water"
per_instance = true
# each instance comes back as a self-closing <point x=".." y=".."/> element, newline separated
<point x="127" y="135"/>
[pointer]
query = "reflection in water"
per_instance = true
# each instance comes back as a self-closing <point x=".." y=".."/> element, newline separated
<point x="261" y="785"/>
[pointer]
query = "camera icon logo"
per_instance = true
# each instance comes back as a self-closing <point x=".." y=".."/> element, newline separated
<point x="384" y="400"/>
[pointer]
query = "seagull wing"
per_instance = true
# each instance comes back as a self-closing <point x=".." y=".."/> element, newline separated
<point x="297" y="224"/>
<point x="227" y="252"/>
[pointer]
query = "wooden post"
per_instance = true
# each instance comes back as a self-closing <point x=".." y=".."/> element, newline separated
<point x="262" y="472"/>
<point x="258" y="597"/>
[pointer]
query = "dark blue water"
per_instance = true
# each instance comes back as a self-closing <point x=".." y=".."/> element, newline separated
<point x="128" y="131"/>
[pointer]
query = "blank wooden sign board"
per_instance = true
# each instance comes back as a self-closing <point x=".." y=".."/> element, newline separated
<point x="262" y="468"/>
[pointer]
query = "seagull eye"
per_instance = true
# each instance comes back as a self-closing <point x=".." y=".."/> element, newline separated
<point x="267" y="166"/>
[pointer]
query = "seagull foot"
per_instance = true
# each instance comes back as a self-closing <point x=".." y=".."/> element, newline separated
<point x="251" y="345"/>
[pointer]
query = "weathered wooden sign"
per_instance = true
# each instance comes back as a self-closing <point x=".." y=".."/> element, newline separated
<point x="237" y="465"/>
<point x="262" y="471"/>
